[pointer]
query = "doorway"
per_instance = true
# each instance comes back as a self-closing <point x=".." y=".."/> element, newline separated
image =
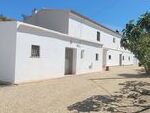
<point x="120" y="59"/>
<point x="104" y="58"/>
<point x="70" y="61"/>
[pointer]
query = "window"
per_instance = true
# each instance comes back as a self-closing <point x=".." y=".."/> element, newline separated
<point x="97" y="57"/>
<point x="82" y="54"/>
<point x="129" y="58"/>
<point x="123" y="58"/>
<point x="35" y="51"/>
<point x="109" y="57"/>
<point x="114" y="40"/>
<point x="98" y="36"/>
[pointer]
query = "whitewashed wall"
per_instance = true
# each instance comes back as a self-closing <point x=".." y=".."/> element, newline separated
<point x="51" y="63"/>
<point x="83" y="65"/>
<point x="79" y="27"/>
<point x="115" y="49"/>
<point x="7" y="51"/>
<point x="115" y="58"/>
<point x="51" y="19"/>
<point x="107" y="41"/>
<point x="82" y="31"/>
<point x="114" y="61"/>
<point x="126" y="60"/>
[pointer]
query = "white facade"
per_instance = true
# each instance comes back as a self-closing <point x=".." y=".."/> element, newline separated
<point x="80" y="27"/>
<point x="51" y="63"/>
<point x="82" y="31"/>
<point x="66" y="43"/>
<point x="7" y="51"/>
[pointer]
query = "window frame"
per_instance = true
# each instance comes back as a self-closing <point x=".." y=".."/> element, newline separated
<point x="109" y="57"/>
<point x="82" y="54"/>
<point x="129" y="58"/>
<point x="123" y="58"/>
<point x="114" y="40"/>
<point x="97" y="57"/>
<point x="98" y="36"/>
<point x="35" y="51"/>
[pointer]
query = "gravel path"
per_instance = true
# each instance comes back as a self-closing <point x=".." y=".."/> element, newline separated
<point x="54" y="96"/>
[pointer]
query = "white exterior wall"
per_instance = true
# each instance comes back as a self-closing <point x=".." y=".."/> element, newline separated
<point x="82" y="31"/>
<point x="107" y="41"/>
<point x="7" y="51"/>
<point x="51" y="19"/>
<point x="83" y="65"/>
<point x="51" y="63"/>
<point x="80" y="27"/>
<point x="114" y="49"/>
<point x="115" y="58"/>
<point x="135" y="61"/>
<point x="126" y="60"/>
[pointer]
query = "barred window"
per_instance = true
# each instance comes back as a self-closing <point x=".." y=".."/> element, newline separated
<point x="35" y="51"/>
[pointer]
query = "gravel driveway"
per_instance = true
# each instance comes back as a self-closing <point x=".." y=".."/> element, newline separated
<point x="54" y="96"/>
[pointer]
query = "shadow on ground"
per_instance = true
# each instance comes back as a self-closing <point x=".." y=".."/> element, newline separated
<point x="133" y="97"/>
<point x="4" y="84"/>
<point x="92" y="104"/>
<point x="140" y="74"/>
<point x="123" y="76"/>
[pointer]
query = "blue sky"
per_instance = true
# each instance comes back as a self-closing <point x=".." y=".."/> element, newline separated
<point x="111" y="13"/>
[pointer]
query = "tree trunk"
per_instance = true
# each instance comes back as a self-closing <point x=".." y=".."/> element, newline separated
<point x="148" y="71"/>
<point x="147" y="68"/>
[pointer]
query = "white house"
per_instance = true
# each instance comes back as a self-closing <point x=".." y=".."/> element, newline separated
<point x="31" y="53"/>
<point x="57" y="43"/>
<point x="76" y="25"/>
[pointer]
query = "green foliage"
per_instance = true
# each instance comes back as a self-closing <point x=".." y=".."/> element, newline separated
<point x="136" y="38"/>
<point x="144" y="22"/>
<point x="3" y="18"/>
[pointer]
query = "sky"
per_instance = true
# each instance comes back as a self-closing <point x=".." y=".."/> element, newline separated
<point x="111" y="13"/>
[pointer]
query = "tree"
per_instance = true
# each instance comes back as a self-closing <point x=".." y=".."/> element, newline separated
<point x="136" y="38"/>
<point x="3" y="18"/>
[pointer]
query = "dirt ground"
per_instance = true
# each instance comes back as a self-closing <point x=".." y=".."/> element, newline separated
<point x="89" y="93"/>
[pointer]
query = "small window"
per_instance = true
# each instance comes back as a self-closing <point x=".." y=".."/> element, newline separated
<point x="109" y="57"/>
<point x="123" y="58"/>
<point x="35" y="51"/>
<point x="98" y="36"/>
<point x="114" y="40"/>
<point x="129" y="58"/>
<point x="82" y="54"/>
<point x="97" y="57"/>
